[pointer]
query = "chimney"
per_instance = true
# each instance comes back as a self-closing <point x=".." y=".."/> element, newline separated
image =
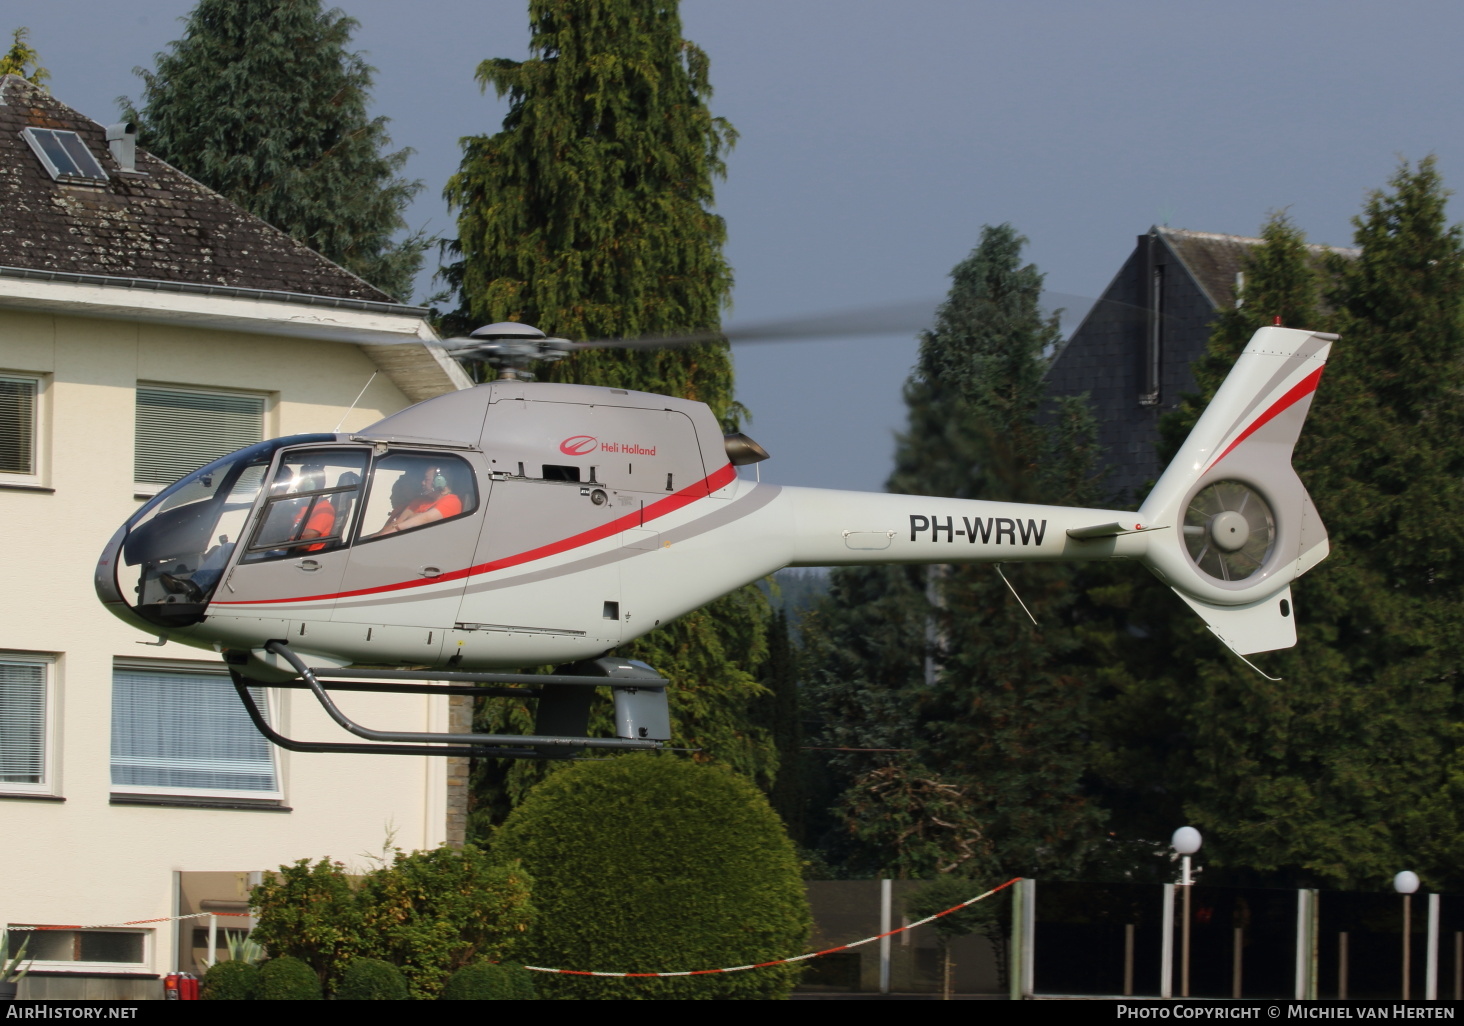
<point x="122" y="141"/>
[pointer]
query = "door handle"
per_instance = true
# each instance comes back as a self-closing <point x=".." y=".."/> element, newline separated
<point x="429" y="571"/>
<point x="309" y="565"/>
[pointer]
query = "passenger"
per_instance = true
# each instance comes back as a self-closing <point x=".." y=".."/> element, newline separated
<point x="435" y="501"/>
<point x="318" y="516"/>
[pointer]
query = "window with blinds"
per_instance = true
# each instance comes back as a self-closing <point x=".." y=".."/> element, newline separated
<point x="23" y="702"/>
<point x="178" y="431"/>
<point x="186" y="732"/>
<point x="18" y="425"/>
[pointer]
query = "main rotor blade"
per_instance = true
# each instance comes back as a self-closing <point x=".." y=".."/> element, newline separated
<point x="906" y="318"/>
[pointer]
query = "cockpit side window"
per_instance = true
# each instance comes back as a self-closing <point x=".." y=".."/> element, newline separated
<point x="310" y="504"/>
<point x="415" y="490"/>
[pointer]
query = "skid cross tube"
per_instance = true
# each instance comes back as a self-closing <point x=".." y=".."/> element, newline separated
<point x="284" y="651"/>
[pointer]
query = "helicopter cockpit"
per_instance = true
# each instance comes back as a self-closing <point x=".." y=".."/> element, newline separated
<point x="184" y="539"/>
<point x="184" y="536"/>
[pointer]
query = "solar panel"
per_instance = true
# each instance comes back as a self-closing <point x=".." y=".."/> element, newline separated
<point x="64" y="154"/>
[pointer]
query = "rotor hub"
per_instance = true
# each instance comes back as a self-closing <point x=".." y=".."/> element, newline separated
<point x="1229" y="530"/>
<point x="510" y="347"/>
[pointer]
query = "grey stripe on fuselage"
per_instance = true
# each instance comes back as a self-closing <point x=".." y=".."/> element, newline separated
<point x="758" y="498"/>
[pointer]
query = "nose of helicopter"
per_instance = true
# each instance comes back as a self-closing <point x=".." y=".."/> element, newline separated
<point x="108" y="591"/>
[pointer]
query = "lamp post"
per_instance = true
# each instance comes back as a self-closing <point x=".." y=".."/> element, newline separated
<point x="1405" y="883"/>
<point x="1186" y="841"/>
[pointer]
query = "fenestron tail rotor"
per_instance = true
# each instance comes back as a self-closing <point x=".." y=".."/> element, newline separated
<point x="1229" y="530"/>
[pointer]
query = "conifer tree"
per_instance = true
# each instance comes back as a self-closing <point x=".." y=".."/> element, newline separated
<point x="264" y="102"/>
<point x="994" y="717"/>
<point x="1347" y="766"/>
<point x="588" y="215"/>
<point x="20" y="56"/>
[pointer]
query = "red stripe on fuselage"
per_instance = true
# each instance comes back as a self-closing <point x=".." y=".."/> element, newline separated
<point x="654" y="511"/>
<point x="1303" y="388"/>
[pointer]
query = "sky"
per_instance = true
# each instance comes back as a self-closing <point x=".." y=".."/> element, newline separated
<point x="878" y="137"/>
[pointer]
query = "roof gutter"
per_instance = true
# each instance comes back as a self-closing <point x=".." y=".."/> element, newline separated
<point x="230" y="291"/>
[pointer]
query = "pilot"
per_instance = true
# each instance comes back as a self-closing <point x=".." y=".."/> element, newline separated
<point x="435" y="501"/>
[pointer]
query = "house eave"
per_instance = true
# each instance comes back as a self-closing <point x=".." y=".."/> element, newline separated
<point x="397" y="337"/>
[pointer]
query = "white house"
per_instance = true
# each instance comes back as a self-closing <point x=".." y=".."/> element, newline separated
<point x="147" y="326"/>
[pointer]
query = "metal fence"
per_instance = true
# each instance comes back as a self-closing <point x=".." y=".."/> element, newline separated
<point x="1114" y="940"/>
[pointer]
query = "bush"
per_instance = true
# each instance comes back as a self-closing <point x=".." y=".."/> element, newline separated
<point x="288" y="979"/>
<point x="485" y="981"/>
<point x="371" y="979"/>
<point x="429" y="912"/>
<point x="657" y="864"/>
<point x="433" y="912"/>
<point x="309" y="912"/>
<point x="230" y="981"/>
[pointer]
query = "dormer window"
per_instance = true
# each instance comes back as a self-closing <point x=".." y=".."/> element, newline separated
<point x="64" y="155"/>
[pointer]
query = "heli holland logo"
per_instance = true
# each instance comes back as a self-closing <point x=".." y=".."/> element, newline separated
<point x="583" y="445"/>
<point x="579" y="445"/>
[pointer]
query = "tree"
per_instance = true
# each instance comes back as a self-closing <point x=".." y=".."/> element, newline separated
<point x="943" y="662"/>
<point x="781" y="715"/>
<point x="20" y="56"/>
<point x="985" y="917"/>
<point x="646" y="863"/>
<point x="588" y="215"/>
<point x="262" y="101"/>
<point x="1334" y="775"/>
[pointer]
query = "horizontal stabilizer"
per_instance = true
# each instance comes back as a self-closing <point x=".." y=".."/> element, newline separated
<point x="1112" y="530"/>
<point x="1263" y="626"/>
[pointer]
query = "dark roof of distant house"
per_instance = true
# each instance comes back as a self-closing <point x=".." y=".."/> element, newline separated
<point x="157" y="224"/>
<point x="1214" y="260"/>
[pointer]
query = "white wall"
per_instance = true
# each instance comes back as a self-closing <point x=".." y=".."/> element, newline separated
<point x="85" y="861"/>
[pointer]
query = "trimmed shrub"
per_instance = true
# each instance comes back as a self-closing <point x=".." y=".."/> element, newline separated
<point x="371" y="979"/>
<point x="230" y="981"/>
<point x="288" y="979"/>
<point x="657" y="864"/>
<point x="485" y="981"/>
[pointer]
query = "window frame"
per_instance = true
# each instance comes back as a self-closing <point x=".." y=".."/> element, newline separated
<point x="368" y="486"/>
<point x="266" y="400"/>
<point x="40" y="436"/>
<point x="269" y="705"/>
<point x="49" y="784"/>
<point x="78" y="966"/>
<point x="254" y="551"/>
<point x="31" y="134"/>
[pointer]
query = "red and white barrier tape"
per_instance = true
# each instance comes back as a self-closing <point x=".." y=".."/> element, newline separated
<point x="131" y="922"/>
<point x="795" y="958"/>
<point x="585" y="972"/>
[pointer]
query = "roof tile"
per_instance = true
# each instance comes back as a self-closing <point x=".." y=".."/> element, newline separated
<point x="160" y="224"/>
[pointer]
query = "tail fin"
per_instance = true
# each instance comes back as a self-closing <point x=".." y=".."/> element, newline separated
<point x="1242" y="524"/>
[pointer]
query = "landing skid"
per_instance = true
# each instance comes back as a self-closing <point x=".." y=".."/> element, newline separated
<point x="562" y="718"/>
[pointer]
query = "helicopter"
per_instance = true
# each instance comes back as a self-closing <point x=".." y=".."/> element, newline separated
<point x="521" y="523"/>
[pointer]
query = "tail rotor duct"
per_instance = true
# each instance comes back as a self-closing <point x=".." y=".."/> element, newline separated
<point x="1229" y="531"/>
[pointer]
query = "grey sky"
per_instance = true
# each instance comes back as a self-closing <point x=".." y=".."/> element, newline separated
<point x="878" y="137"/>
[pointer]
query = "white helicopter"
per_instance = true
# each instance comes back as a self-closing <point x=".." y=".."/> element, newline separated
<point x="521" y="523"/>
